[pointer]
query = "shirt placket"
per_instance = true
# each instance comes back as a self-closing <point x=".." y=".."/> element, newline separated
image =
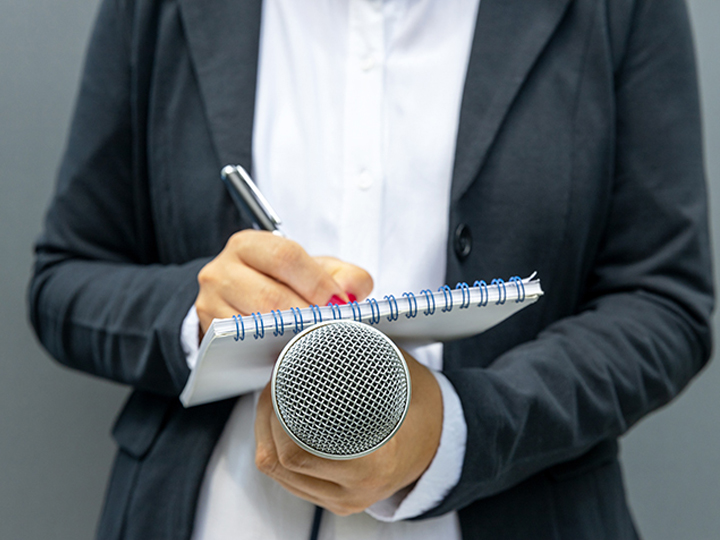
<point x="363" y="174"/>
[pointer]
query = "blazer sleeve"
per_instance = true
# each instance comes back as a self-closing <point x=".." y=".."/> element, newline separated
<point x="100" y="301"/>
<point x="643" y="329"/>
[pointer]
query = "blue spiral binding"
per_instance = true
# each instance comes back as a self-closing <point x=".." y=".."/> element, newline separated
<point x="317" y="315"/>
<point x="446" y="290"/>
<point x="484" y="294"/>
<point x="392" y="302"/>
<point x="279" y="326"/>
<point x="428" y="296"/>
<point x="357" y="316"/>
<point x="301" y="323"/>
<point x="520" y="288"/>
<point x="465" y="294"/>
<point x="336" y="315"/>
<point x="237" y="328"/>
<point x="259" y="334"/>
<point x="375" y="317"/>
<point x="411" y="314"/>
<point x="502" y="291"/>
<point x="281" y="331"/>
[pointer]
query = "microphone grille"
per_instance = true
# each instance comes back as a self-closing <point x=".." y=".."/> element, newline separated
<point x="341" y="389"/>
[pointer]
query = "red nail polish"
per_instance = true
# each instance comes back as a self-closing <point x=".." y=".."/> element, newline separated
<point x="336" y="300"/>
<point x="351" y="297"/>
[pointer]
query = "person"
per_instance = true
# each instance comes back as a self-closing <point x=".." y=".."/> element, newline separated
<point x="405" y="144"/>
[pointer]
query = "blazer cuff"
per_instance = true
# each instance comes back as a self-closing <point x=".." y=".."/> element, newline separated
<point x="444" y="471"/>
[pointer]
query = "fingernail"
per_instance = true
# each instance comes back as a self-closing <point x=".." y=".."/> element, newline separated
<point x="351" y="297"/>
<point x="336" y="300"/>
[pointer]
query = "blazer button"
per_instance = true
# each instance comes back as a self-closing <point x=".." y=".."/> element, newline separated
<point x="463" y="241"/>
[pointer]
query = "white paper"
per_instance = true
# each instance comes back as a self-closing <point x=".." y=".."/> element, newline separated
<point x="237" y="355"/>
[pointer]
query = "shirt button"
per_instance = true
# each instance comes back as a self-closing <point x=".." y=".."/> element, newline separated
<point x="463" y="241"/>
<point x="365" y="180"/>
<point x="367" y="63"/>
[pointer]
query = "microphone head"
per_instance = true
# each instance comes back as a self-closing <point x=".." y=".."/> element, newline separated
<point x="341" y="389"/>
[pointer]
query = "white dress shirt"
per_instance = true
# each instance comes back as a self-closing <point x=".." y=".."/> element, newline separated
<point x="356" y="118"/>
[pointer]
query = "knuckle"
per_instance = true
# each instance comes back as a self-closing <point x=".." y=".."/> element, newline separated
<point x="372" y="483"/>
<point x="240" y="242"/>
<point x="318" y="291"/>
<point x="288" y="254"/>
<point x="292" y="459"/>
<point x="236" y="239"/>
<point x="269" y="296"/>
<point x="205" y="274"/>
<point x="201" y="306"/>
<point x="374" y="476"/>
<point x="265" y="461"/>
<point x="349" y="501"/>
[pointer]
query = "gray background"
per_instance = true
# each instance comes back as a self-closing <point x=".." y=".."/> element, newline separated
<point x="55" y="449"/>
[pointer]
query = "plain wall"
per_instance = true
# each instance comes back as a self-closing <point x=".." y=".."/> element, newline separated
<point x="55" y="448"/>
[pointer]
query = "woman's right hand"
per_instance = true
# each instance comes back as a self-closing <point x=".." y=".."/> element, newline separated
<point x="260" y="271"/>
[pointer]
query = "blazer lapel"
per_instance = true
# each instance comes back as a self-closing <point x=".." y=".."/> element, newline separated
<point x="224" y="37"/>
<point x="224" y="41"/>
<point x="509" y="36"/>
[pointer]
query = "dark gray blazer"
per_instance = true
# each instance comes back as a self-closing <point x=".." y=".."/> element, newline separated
<point x="578" y="155"/>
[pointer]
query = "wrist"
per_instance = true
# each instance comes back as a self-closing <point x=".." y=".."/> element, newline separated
<point x="424" y="422"/>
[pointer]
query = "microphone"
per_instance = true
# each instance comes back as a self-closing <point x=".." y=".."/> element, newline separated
<point x="341" y="389"/>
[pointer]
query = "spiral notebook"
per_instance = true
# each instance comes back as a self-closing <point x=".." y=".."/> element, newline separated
<point x="237" y="355"/>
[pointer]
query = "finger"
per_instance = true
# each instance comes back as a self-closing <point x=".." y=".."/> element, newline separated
<point x="291" y="457"/>
<point x="318" y="489"/>
<point x="351" y="278"/>
<point x="228" y="289"/>
<point x="248" y="291"/>
<point x="288" y="263"/>
<point x="342" y="504"/>
<point x="218" y="310"/>
<point x="277" y="455"/>
<point x="268" y="459"/>
<point x="337" y="499"/>
<point x="285" y="471"/>
<point x="296" y="460"/>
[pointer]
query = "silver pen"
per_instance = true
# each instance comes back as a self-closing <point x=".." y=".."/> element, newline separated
<point x="247" y="196"/>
